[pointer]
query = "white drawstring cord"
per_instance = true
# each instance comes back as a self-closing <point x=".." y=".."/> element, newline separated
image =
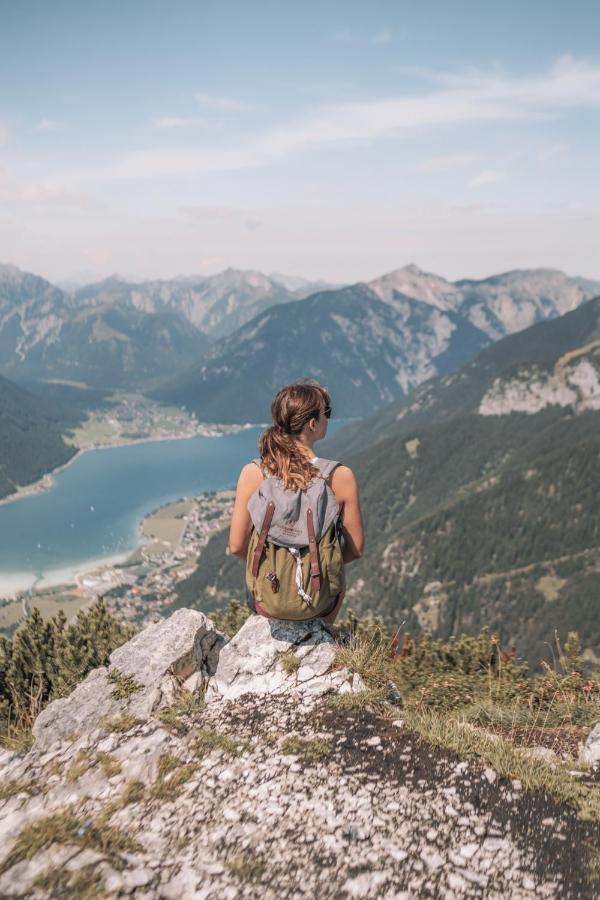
<point x="299" y="579"/>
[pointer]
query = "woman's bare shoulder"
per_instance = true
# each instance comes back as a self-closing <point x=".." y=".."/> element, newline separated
<point x="343" y="480"/>
<point x="250" y="475"/>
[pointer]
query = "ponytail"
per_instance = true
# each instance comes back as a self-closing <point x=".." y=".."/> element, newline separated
<point x="292" y="407"/>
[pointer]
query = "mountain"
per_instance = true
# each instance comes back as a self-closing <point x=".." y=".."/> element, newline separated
<point x="553" y="362"/>
<point x="302" y="287"/>
<point x="47" y="334"/>
<point x="480" y="498"/>
<point x="413" y="325"/>
<point x="366" y="350"/>
<point x="215" y="304"/>
<point x="369" y="342"/>
<point x="503" y="304"/>
<point x="30" y="437"/>
<point x="475" y="513"/>
<point x="411" y="281"/>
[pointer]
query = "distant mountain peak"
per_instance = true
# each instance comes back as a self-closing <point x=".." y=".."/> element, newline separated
<point x="412" y="281"/>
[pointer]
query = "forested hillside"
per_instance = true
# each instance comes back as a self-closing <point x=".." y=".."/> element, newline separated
<point x="30" y="437"/>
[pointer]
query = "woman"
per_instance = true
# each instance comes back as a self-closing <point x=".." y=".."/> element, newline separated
<point x="300" y="413"/>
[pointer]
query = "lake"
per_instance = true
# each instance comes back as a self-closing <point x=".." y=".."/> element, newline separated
<point x="93" y="511"/>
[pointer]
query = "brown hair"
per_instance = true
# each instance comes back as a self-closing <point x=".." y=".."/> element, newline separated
<point x="292" y="407"/>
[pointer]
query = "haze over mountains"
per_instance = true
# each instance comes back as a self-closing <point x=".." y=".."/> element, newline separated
<point x="237" y="335"/>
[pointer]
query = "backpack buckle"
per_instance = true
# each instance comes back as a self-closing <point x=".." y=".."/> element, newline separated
<point x="274" y="581"/>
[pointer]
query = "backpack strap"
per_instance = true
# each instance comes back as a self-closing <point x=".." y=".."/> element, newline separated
<point x="327" y="466"/>
<point x="262" y="537"/>
<point x="315" y="571"/>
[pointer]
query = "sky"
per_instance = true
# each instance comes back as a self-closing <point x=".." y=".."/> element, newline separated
<point x="330" y="140"/>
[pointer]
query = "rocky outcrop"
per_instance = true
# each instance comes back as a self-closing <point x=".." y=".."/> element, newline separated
<point x="269" y="790"/>
<point x="263" y="797"/>
<point x="590" y="752"/>
<point x="144" y="675"/>
<point x="269" y="656"/>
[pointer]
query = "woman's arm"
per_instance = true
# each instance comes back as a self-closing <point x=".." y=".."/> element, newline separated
<point x="345" y="488"/>
<point x="241" y="523"/>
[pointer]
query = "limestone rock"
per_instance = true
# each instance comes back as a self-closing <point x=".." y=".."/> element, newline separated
<point x="158" y="659"/>
<point x="272" y="656"/>
<point x="591" y="749"/>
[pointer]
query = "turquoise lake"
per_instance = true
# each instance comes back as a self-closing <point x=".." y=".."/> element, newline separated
<point x="96" y="504"/>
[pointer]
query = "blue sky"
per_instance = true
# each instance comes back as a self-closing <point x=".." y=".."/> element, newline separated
<point x="335" y="140"/>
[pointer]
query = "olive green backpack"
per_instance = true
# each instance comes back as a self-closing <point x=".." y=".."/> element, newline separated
<point x="294" y="565"/>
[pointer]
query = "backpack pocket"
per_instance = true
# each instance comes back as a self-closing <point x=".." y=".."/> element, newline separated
<point x="277" y="569"/>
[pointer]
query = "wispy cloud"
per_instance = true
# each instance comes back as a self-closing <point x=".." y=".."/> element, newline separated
<point x="445" y="163"/>
<point x="168" y="123"/>
<point x="488" y="176"/>
<point x="227" y="215"/>
<point x="223" y="104"/>
<point x="18" y="193"/>
<point x="49" y="125"/>
<point x="463" y="98"/>
<point x="383" y="36"/>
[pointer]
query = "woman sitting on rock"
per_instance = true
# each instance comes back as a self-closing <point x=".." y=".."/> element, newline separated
<point x="296" y="519"/>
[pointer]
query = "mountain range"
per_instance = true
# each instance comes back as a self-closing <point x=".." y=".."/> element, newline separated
<point x="480" y="502"/>
<point x="205" y="341"/>
<point x="120" y="335"/>
<point x="369" y="342"/>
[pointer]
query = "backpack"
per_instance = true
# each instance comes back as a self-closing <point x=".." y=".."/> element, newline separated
<point x="294" y="564"/>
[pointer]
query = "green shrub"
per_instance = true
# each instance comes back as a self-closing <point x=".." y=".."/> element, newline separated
<point x="46" y="659"/>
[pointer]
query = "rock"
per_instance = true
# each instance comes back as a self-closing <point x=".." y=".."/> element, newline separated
<point x="394" y="697"/>
<point x="194" y="682"/>
<point x="253" y="662"/>
<point x="591" y="749"/>
<point x="545" y="754"/>
<point x="159" y="659"/>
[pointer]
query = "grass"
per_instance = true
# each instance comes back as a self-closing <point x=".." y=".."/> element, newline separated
<point x="133" y="792"/>
<point x="84" y="884"/>
<point x="204" y="741"/>
<point x="109" y="765"/>
<point x="187" y="705"/>
<point x="124" y="684"/>
<point x="372" y="700"/>
<point x="68" y="827"/>
<point x="454" y="733"/>
<point x="309" y="750"/>
<point x="80" y="765"/>
<point x="468" y="696"/>
<point x="290" y="663"/>
<point x="16" y="734"/>
<point x="24" y="786"/>
<point x="120" y="723"/>
<point x="246" y="867"/>
<point x="84" y="761"/>
<point x="173" y="772"/>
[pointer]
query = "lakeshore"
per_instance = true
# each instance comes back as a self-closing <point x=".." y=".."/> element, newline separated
<point x="136" y="584"/>
<point x="47" y="481"/>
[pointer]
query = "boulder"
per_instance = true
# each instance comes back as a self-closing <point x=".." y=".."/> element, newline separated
<point x="272" y="656"/>
<point x="591" y="749"/>
<point x="154" y="664"/>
